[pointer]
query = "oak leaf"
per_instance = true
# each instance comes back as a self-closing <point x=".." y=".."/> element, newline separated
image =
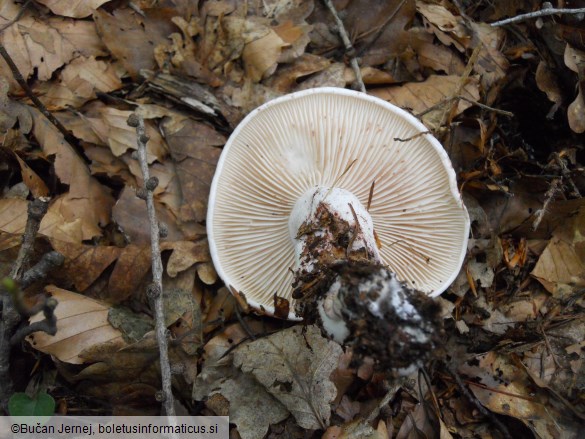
<point x="295" y="365"/>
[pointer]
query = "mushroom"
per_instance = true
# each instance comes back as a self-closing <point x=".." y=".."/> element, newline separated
<point x="316" y="154"/>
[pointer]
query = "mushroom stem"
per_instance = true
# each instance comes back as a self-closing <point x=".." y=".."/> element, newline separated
<point x="341" y="284"/>
<point x="334" y="225"/>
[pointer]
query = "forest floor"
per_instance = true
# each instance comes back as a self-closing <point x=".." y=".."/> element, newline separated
<point x="506" y="101"/>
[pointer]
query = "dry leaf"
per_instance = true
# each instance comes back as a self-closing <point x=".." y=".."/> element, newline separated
<point x="120" y="137"/>
<point x="576" y="113"/>
<point x="505" y="389"/>
<point x="448" y="28"/>
<point x="246" y="397"/>
<point x="87" y="200"/>
<point x="131" y="37"/>
<point x="37" y="186"/>
<point x="79" y="82"/>
<point x="561" y="266"/>
<point x="12" y="111"/>
<point x="193" y="149"/>
<point x="546" y="81"/>
<point x="185" y="254"/>
<point x="13" y="215"/>
<point x="131" y="216"/>
<point x="45" y="46"/>
<point x="206" y="272"/>
<point x="242" y="390"/>
<point x="73" y="9"/>
<point x="261" y="53"/>
<point x="421" y="96"/>
<point x="81" y="323"/>
<point x="435" y="56"/>
<point x="84" y="264"/>
<point x="295" y="365"/>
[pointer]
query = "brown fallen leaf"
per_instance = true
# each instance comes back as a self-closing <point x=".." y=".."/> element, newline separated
<point x="112" y="129"/>
<point x="81" y="323"/>
<point x="193" y="147"/>
<point x="435" y="56"/>
<point x="84" y="264"/>
<point x="447" y="27"/>
<point x="261" y="52"/>
<point x="421" y="96"/>
<point x="78" y="83"/>
<point x="36" y="185"/>
<point x="505" y="389"/>
<point x="87" y="200"/>
<point x="561" y="266"/>
<point x="295" y="365"/>
<point x="184" y="55"/>
<point x="285" y="78"/>
<point x="185" y="254"/>
<point x="12" y="112"/>
<point x="576" y="111"/>
<point x="219" y="377"/>
<point x="42" y="46"/>
<point x="131" y="216"/>
<point x="13" y="215"/>
<point x="547" y="82"/>
<point x="131" y="37"/>
<point x="74" y="9"/>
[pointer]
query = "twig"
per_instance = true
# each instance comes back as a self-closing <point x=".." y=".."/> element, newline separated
<point x="12" y="310"/>
<point x="48" y="262"/>
<point x="449" y="112"/>
<point x="389" y="396"/>
<point x="48" y="324"/>
<point x="466" y="99"/>
<point x="155" y="290"/>
<point x="486" y="107"/>
<point x="20" y="79"/>
<point x="414" y="136"/>
<point x="16" y="18"/>
<point x="349" y="50"/>
<point x="488" y="414"/>
<point x="546" y="10"/>
<point x="36" y="211"/>
<point x="549" y="195"/>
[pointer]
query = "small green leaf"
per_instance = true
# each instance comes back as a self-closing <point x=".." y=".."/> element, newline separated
<point x="20" y="404"/>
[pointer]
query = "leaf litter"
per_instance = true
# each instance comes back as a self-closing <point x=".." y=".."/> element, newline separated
<point x="514" y="360"/>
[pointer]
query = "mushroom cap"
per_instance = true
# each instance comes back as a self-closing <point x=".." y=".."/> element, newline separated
<point x="308" y="139"/>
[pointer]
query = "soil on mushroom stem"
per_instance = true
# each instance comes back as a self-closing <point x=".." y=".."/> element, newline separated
<point x="396" y="326"/>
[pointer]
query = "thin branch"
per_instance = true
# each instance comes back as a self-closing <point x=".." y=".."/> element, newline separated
<point x="16" y="18"/>
<point x="41" y="269"/>
<point x="349" y="50"/>
<point x="488" y="414"/>
<point x="549" y="195"/>
<point x="36" y="211"/>
<point x="486" y="107"/>
<point x="389" y="396"/>
<point x="463" y="98"/>
<point x="21" y="81"/>
<point x="545" y="11"/>
<point x="48" y="324"/>
<point x="12" y="308"/>
<point x="156" y="289"/>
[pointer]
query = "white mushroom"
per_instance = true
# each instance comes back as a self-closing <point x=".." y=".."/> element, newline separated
<point x="331" y="145"/>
